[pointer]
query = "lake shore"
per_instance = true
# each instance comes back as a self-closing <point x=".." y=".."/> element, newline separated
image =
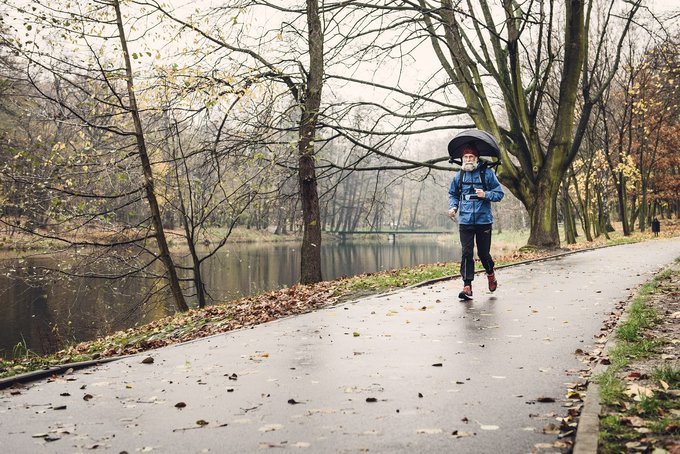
<point x="272" y="305"/>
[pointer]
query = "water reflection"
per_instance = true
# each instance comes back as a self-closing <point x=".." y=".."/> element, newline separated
<point x="43" y="310"/>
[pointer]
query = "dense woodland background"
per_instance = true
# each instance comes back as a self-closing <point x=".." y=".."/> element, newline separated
<point x="121" y="121"/>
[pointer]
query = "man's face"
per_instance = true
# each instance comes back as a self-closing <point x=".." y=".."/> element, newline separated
<point x="469" y="162"/>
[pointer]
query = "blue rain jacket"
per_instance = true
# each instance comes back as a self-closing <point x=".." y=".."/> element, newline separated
<point x="470" y="210"/>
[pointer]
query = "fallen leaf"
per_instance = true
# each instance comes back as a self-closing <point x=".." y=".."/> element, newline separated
<point x="148" y="360"/>
<point x="551" y="429"/>
<point x="636" y="391"/>
<point x="460" y="434"/>
<point x="202" y="422"/>
<point x="272" y="445"/>
<point x="571" y="394"/>
<point x="634" y="421"/>
<point x="87" y="397"/>
<point x="545" y="399"/>
<point x="270" y="427"/>
<point x="429" y="431"/>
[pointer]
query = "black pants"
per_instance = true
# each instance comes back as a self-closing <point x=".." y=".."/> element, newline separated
<point x="468" y="234"/>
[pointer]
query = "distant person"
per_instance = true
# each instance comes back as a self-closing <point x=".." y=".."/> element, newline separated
<point x="472" y="190"/>
<point x="656" y="227"/>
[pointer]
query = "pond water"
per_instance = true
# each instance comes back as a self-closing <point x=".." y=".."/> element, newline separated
<point x="42" y="311"/>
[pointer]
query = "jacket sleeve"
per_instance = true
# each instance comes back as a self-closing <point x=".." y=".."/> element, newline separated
<point x="495" y="192"/>
<point x="453" y="197"/>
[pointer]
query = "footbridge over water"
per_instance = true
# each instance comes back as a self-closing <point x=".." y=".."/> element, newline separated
<point x="391" y="234"/>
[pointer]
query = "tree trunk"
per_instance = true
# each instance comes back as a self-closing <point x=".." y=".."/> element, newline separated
<point x="349" y="204"/>
<point x="198" y="277"/>
<point x="401" y="205"/>
<point x="601" y="218"/>
<point x="497" y="219"/>
<point x="643" y="216"/>
<point x="584" y="205"/>
<point x="414" y="214"/>
<point x="156" y="218"/>
<point x="543" y="217"/>
<point x="310" y="266"/>
<point x="568" y="218"/>
<point x="621" y="199"/>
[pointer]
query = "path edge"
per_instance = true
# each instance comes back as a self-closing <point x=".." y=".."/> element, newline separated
<point x="587" y="436"/>
<point x="62" y="369"/>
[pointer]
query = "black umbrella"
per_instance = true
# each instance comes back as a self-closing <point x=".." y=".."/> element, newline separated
<point x="484" y="142"/>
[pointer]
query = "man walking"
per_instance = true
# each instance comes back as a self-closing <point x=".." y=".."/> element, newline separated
<point x="470" y="195"/>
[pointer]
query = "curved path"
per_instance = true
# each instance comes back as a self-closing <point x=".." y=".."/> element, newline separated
<point x="414" y="371"/>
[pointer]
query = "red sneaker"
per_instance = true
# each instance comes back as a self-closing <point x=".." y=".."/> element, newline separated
<point x="466" y="294"/>
<point x="493" y="283"/>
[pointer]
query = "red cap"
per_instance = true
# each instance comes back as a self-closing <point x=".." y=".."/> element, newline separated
<point x="469" y="149"/>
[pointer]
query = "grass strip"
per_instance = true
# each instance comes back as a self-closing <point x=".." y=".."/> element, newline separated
<point x="253" y="310"/>
<point x="639" y="413"/>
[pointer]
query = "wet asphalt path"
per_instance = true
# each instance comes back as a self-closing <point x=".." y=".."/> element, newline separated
<point x="430" y="366"/>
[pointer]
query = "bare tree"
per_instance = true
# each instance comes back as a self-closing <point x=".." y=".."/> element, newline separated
<point x="110" y="108"/>
<point x="526" y="78"/>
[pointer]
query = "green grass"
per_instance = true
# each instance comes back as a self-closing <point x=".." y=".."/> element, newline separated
<point x="611" y="388"/>
<point x="668" y="373"/>
<point x="631" y="344"/>
<point x="388" y="280"/>
<point x="181" y="327"/>
<point x="611" y="429"/>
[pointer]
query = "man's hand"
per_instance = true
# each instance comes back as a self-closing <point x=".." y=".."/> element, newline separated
<point x="480" y="193"/>
<point x="453" y="212"/>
